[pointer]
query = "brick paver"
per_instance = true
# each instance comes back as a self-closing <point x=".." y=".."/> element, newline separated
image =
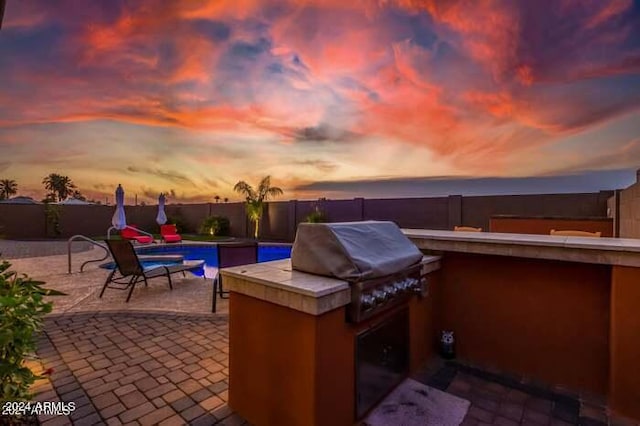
<point x="505" y="400"/>
<point x="161" y="368"/>
<point x="20" y="249"/>
<point x="145" y="367"/>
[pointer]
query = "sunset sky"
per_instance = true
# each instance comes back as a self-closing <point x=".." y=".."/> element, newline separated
<point x="335" y="98"/>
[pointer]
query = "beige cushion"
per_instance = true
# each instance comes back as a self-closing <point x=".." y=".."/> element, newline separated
<point x="467" y="229"/>
<point x="571" y="233"/>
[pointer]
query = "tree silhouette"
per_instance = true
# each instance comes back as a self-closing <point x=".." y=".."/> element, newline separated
<point x="8" y="187"/>
<point x="60" y="187"/>
<point x="217" y="198"/>
<point x="255" y="199"/>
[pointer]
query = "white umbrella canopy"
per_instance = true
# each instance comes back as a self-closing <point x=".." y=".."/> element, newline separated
<point x="161" y="219"/>
<point x="119" y="220"/>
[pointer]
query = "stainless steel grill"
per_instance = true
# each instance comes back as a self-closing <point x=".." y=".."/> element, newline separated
<point x="381" y="264"/>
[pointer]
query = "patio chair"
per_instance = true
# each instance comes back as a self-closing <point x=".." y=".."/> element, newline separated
<point x="170" y="234"/>
<point x="232" y="255"/>
<point x="131" y="270"/>
<point x="466" y="229"/>
<point x="571" y="233"/>
<point x="130" y="233"/>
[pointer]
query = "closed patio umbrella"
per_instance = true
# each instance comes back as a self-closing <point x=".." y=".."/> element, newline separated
<point x="162" y="217"/>
<point x="119" y="220"/>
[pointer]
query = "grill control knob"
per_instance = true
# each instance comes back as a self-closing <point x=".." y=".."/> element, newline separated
<point x="406" y="284"/>
<point x="391" y="290"/>
<point x="416" y="285"/>
<point x="367" y="302"/>
<point x="380" y="296"/>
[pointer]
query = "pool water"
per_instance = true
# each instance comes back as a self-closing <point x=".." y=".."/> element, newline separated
<point x="208" y="253"/>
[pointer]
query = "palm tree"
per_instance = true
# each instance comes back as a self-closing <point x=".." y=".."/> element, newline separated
<point x="255" y="199"/>
<point x="66" y="188"/>
<point x="217" y="198"/>
<point x="50" y="183"/>
<point x="8" y="187"/>
<point x="60" y="187"/>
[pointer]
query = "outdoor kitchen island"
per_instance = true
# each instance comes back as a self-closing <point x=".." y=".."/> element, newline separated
<point x="560" y="311"/>
<point x="297" y="355"/>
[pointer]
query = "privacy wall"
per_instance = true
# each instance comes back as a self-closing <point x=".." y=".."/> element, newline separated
<point x="626" y="204"/>
<point x="281" y="218"/>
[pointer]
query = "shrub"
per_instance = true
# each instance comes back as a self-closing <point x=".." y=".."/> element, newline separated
<point x="52" y="215"/>
<point x="22" y="307"/>
<point x="316" y="216"/>
<point x="215" y="225"/>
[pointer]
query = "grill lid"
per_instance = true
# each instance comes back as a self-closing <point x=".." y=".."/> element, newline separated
<point x="352" y="250"/>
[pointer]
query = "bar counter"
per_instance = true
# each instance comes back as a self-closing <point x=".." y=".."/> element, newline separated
<point x="607" y="251"/>
<point x="276" y="282"/>
<point x="561" y="310"/>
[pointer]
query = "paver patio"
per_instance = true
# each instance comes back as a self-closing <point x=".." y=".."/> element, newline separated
<point x="163" y="359"/>
<point x="161" y="368"/>
<point x="137" y="368"/>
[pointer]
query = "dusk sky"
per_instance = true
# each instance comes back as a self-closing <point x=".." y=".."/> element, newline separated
<point x="334" y="98"/>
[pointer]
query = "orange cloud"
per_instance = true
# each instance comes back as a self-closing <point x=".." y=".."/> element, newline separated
<point x="489" y="29"/>
<point x="500" y="105"/>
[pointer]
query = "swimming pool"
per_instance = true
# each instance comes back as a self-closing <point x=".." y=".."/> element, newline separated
<point x="208" y="253"/>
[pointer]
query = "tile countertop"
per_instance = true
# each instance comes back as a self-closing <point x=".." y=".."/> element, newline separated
<point x="278" y="283"/>
<point x="610" y="251"/>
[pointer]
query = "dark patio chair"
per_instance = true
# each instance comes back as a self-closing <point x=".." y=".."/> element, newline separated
<point x="234" y="254"/>
<point x="131" y="270"/>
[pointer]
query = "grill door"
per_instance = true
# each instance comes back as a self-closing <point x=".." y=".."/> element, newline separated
<point x="382" y="360"/>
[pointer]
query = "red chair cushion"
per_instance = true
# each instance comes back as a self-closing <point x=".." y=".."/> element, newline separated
<point x="172" y="238"/>
<point x="143" y="239"/>
<point x="132" y="234"/>
<point x="168" y="230"/>
<point x="128" y="233"/>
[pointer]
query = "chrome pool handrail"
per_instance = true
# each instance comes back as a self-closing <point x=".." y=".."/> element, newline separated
<point x="85" y="238"/>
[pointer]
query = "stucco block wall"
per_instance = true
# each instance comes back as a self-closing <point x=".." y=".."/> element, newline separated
<point x="280" y="219"/>
<point x="611" y="207"/>
<point x="630" y="212"/>
<point x="477" y="211"/>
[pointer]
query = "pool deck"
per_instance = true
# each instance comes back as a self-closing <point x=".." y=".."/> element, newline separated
<point x="19" y="249"/>
<point x="189" y="295"/>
